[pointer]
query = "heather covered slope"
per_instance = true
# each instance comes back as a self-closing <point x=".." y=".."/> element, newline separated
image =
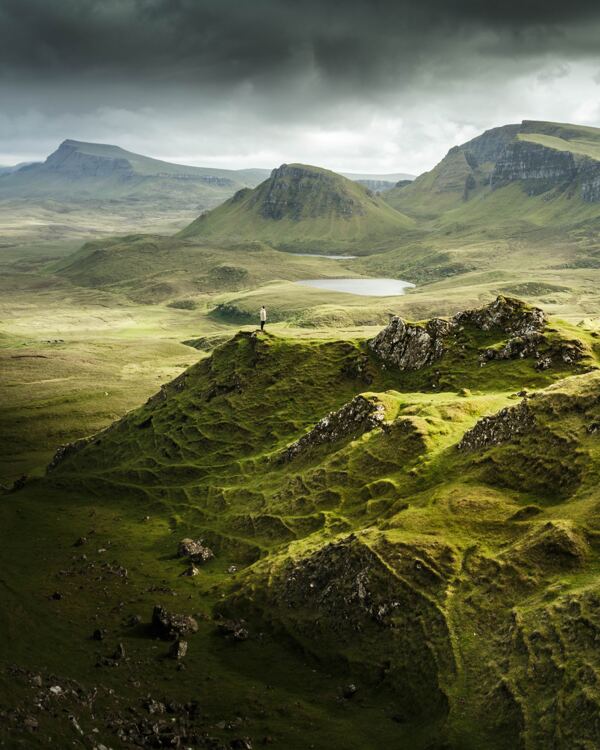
<point x="303" y="208"/>
<point x="407" y="524"/>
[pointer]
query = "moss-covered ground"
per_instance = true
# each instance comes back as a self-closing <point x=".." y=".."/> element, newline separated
<point x="455" y="590"/>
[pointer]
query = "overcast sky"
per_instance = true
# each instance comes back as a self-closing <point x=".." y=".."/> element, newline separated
<point x="353" y="85"/>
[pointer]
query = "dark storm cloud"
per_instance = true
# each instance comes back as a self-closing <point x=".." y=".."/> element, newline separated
<point x="221" y="42"/>
<point x="360" y="85"/>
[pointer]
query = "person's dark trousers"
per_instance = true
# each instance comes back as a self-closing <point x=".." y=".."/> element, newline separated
<point x="262" y="325"/>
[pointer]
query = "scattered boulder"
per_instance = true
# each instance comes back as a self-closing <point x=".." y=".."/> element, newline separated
<point x="360" y="415"/>
<point x="349" y="691"/>
<point x="178" y="649"/>
<point x="195" y="550"/>
<point x="499" y="428"/>
<point x="119" y="652"/>
<point x="190" y="571"/>
<point x="234" y="629"/>
<point x="241" y="743"/>
<point x="169" y="626"/>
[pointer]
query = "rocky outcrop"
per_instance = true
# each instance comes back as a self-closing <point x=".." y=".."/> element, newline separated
<point x="373" y="603"/>
<point x="69" y="449"/>
<point x="194" y="550"/>
<point x="507" y="313"/>
<point x="499" y="428"/>
<point x="360" y="415"/>
<point x="537" y="345"/>
<point x="294" y="192"/>
<point x="409" y="346"/>
<point x="170" y="626"/>
<point x="590" y="181"/>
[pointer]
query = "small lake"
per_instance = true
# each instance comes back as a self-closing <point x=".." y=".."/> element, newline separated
<point x="366" y="287"/>
<point x="322" y="255"/>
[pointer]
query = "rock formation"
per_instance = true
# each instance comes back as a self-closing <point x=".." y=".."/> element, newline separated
<point x="291" y="190"/>
<point x="360" y="415"/>
<point x="499" y="428"/>
<point x="410" y="346"/>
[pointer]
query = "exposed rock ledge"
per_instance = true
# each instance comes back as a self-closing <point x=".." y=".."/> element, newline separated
<point x="358" y="416"/>
<point x="411" y="346"/>
<point x="499" y="428"/>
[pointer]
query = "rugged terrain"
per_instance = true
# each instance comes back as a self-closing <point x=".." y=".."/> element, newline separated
<point x="407" y="524"/>
<point x="302" y="207"/>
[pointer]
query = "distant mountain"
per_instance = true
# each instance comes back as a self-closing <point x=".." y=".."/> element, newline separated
<point x="302" y="207"/>
<point x="389" y="177"/>
<point x="555" y="163"/>
<point x="79" y="172"/>
<point x="14" y="167"/>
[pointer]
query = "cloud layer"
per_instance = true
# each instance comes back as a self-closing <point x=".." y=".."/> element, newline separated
<point x="357" y="84"/>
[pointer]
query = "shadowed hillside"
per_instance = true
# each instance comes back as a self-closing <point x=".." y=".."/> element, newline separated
<point x="408" y="523"/>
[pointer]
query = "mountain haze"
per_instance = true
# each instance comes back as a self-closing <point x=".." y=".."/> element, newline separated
<point x="80" y="171"/>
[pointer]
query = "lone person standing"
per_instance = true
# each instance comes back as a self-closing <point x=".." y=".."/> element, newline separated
<point x="263" y="317"/>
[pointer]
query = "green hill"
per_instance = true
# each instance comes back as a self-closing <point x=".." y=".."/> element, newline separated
<point x="559" y="165"/>
<point x="303" y="208"/>
<point x="407" y="524"/>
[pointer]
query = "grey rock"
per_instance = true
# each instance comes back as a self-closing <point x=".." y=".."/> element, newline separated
<point x="410" y="346"/>
<point x="168" y="625"/>
<point x="499" y="428"/>
<point x="358" y="416"/>
<point x="178" y="650"/>
<point x="510" y="315"/>
<point x="195" y="550"/>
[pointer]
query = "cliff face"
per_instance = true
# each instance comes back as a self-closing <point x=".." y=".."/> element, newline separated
<point x="296" y="192"/>
<point x="522" y="160"/>
<point x="542" y="156"/>
<point x="488" y="146"/>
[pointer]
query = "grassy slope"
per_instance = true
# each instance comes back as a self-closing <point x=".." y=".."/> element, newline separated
<point x="202" y="468"/>
<point x="318" y="226"/>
